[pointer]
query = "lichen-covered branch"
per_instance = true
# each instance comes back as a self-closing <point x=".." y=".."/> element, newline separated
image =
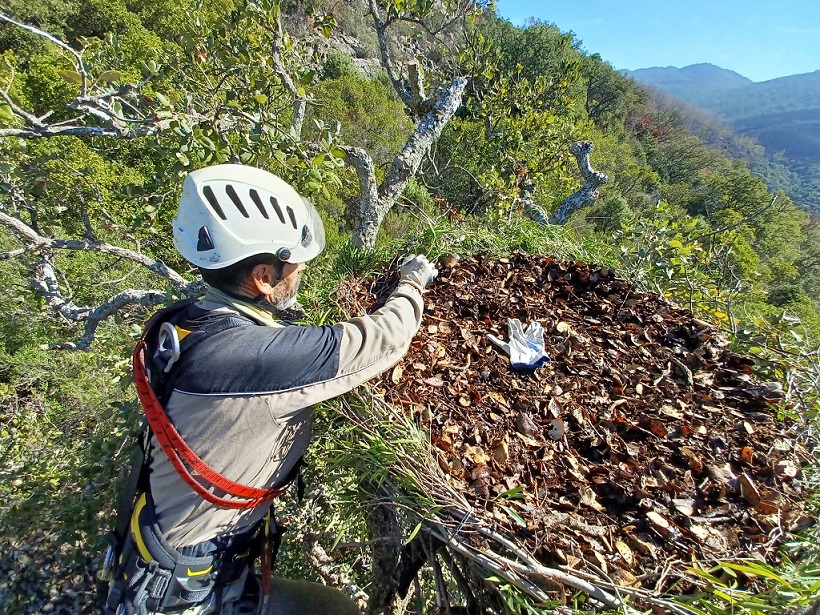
<point x="45" y="283"/>
<point x="427" y="132"/>
<point x="531" y="208"/>
<point x="331" y="572"/>
<point x="588" y="193"/>
<point x="374" y="206"/>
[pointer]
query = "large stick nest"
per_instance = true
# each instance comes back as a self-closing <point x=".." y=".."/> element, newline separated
<point x="645" y="441"/>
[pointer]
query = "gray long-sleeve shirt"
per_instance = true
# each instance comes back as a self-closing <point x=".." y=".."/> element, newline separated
<point x="242" y="400"/>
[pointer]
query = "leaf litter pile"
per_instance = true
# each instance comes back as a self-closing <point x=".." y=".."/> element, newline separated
<point x="644" y="441"/>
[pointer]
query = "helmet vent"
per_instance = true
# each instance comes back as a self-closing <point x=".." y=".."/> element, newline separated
<point x="277" y="209"/>
<point x="292" y="217"/>
<point x="209" y="194"/>
<point x="204" y="241"/>
<point x="236" y="200"/>
<point x="258" y="202"/>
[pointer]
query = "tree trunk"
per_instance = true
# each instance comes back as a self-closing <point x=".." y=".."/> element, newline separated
<point x="385" y="537"/>
<point x="588" y="193"/>
<point x="375" y="203"/>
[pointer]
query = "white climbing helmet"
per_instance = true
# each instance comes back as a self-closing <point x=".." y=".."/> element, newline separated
<point x="229" y="212"/>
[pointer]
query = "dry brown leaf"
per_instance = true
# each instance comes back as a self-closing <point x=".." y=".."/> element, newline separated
<point x="748" y="489"/>
<point x="498" y="398"/>
<point x="658" y="428"/>
<point x="660" y="523"/>
<point x="501" y="452"/>
<point x="787" y="468"/>
<point x="671" y="411"/>
<point x="767" y="507"/>
<point x="589" y="498"/>
<point x="476" y="455"/>
<point x="558" y="429"/>
<point x="625" y="552"/>
<point x="624" y="578"/>
<point x="641" y="546"/>
<point x="685" y="506"/>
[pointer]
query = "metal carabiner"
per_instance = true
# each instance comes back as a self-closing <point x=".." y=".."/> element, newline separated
<point x="168" y="332"/>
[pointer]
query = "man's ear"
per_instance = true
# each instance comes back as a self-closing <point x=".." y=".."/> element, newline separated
<point x="262" y="279"/>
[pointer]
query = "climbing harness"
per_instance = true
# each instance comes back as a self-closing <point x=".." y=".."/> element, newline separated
<point x="142" y="573"/>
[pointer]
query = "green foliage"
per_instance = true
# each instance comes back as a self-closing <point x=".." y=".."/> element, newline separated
<point x="517" y="126"/>
<point x="665" y="254"/>
<point x="44" y="88"/>
<point x="677" y="217"/>
<point x="791" y="586"/>
<point x="538" y="51"/>
<point x="370" y="115"/>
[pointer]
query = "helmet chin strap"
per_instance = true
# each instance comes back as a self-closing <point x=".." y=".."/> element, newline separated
<point x="280" y="270"/>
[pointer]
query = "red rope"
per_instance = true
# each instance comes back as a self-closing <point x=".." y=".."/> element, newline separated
<point x="181" y="454"/>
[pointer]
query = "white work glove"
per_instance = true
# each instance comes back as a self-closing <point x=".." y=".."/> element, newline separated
<point x="417" y="270"/>
<point x="526" y="347"/>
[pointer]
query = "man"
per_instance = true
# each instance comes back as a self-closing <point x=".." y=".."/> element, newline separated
<point x="231" y="395"/>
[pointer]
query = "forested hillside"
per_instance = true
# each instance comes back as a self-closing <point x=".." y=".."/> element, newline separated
<point x="416" y="127"/>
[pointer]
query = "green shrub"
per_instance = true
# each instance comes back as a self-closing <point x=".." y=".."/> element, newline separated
<point x="610" y="213"/>
<point x="338" y="65"/>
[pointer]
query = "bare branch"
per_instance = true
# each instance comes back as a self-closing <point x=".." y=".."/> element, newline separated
<point x="28" y="117"/>
<point x="63" y="45"/>
<point x="299" y="100"/>
<point x="387" y="64"/>
<point x="36" y="242"/>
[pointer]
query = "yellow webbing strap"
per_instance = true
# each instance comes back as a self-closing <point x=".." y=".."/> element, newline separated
<point x="135" y="529"/>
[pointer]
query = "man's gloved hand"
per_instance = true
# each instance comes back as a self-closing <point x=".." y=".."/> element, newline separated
<point x="417" y="270"/>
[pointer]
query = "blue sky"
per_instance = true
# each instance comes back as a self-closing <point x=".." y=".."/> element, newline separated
<point x="760" y="39"/>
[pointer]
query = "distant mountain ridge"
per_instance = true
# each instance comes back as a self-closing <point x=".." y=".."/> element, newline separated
<point x="782" y="114"/>
<point x="693" y="83"/>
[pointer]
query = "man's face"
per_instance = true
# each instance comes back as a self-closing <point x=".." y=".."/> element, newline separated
<point x="283" y="294"/>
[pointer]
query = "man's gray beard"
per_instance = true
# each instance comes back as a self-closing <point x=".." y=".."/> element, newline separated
<point x="287" y="302"/>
